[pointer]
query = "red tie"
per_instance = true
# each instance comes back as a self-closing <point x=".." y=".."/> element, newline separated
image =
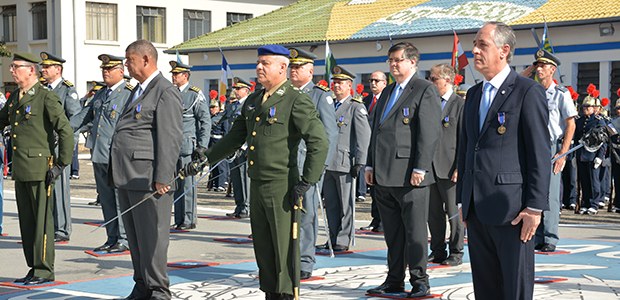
<point x="372" y="105"/>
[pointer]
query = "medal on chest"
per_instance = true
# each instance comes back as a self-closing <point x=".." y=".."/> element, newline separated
<point x="28" y="113"/>
<point x="138" y="110"/>
<point x="501" y="118"/>
<point x="272" y="115"/>
<point x="340" y="121"/>
<point x="446" y="122"/>
<point x="406" y="119"/>
<point x="113" y="112"/>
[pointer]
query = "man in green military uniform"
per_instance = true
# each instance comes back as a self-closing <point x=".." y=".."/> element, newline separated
<point x="272" y="122"/>
<point x="35" y="114"/>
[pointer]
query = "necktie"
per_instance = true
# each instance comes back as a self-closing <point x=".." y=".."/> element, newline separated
<point x="485" y="103"/>
<point x="337" y="104"/>
<point x="443" y="103"/>
<point x="391" y="102"/>
<point x="372" y="105"/>
<point x="138" y="93"/>
<point x="108" y="92"/>
<point x="21" y="94"/>
<point x="49" y="86"/>
<point x="265" y="97"/>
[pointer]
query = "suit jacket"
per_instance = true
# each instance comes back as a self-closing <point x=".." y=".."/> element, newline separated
<point x="100" y="116"/>
<point x="147" y="141"/>
<point x="444" y="161"/>
<point x="273" y="140"/>
<point x="353" y="136"/>
<point x="397" y="146"/>
<point x="34" y="120"/>
<point x="505" y="173"/>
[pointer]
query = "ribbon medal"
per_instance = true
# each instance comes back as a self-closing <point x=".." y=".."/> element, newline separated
<point x="501" y="118"/>
<point x="28" y="113"/>
<point x="272" y="112"/>
<point x="113" y="112"/>
<point x="446" y="122"/>
<point x="340" y="121"/>
<point x="138" y="109"/>
<point x="406" y="119"/>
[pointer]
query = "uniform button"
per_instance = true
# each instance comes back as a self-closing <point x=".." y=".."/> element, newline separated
<point x="253" y="133"/>
<point x="476" y="148"/>
<point x="15" y="135"/>
<point x="39" y="154"/>
<point x="14" y="148"/>
<point x="251" y="148"/>
<point x="99" y="126"/>
<point x="251" y="163"/>
<point x="257" y="119"/>
<point x="15" y="124"/>
<point x="17" y="112"/>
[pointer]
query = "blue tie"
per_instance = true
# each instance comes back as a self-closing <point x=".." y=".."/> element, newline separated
<point x="485" y="103"/>
<point x="391" y="103"/>
<point x="337" y="104"/>
<point x="443" y="103"/>
<point x="137" y="94"/>
<point x="107" y="93"/>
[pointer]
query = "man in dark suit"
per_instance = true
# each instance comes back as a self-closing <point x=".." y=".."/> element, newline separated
<point x="404" y="135"/>
<point x="443" y="191"/>
<point x="143" y="158"/>
<point x="504" y="166"/>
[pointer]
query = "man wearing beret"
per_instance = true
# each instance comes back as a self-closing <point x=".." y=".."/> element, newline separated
<point x="51" y="69"/>
<point x="196" y="134"/>
<point x="99" y="117"/>
<point x="35" y="115"/>
<point x="301" y="71"/>
<point x="272" y="122"/>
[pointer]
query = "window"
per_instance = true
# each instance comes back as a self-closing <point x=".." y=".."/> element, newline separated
<point x="234" y="18"/>
<point x="587" y="73"/>
<point x="101" y="21"/>
<point x="195" y="23"/>
<point x="151" y="24"/>
<point x="9" y="23"/>
<point x="39" y="21"/>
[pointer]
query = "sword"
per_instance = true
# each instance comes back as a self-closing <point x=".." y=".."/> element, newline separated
<point x="567" y="152"/>
<point x="326" y="226"/>
<point x="295" y="239"/>
<point x="50" y="164"/>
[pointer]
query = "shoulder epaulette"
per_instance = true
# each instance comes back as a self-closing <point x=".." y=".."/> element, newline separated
<point x="561" y="88"/>
<point x="67" y="83"/>
<point x="129" y="86"/>
<point x="194" y="88"/>
<point x="320" y="87"/>
<point x="577" y="117"/>
<point x="357" y="99"/>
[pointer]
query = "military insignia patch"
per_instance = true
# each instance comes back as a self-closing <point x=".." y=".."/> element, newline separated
<point x="44" y="55"/>
<point x="67" y="83"/>
<point x="337" y="70"/>
<point x="540" y="53"/>
<point x="129" y="86"/>
<point x="280" y="92"/>
<point x="74" y="96"/>
<point x="294" y="53"/>
<point x="194" y="89"/>
<point x="330" y="100"/>
<point x="105" y="59"/>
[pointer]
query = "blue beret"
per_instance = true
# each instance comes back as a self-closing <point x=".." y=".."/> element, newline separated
<point x="273" y="50"/>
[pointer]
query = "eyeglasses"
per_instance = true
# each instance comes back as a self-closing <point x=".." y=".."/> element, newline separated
<point x="371" y="80"/>
<point x="395" y="60"/>
<point x="16" y="66"/>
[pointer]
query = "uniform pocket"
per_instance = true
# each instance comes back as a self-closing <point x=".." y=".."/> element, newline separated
<point x="146" y="155"/>
<point x="39" y="152"/>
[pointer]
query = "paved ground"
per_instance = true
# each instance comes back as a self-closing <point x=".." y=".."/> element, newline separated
<point x="591" y="270"/>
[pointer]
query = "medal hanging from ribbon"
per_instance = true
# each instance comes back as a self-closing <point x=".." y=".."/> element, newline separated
<point x="272" y="115"/>
<point x="406" y="118"/>
<point x="340" y="121"/>
<point x="446" y="121"/>
<point x="113" y="112"/>
<point x="501" y="118"/>
<point x="28" y="112"/>
<point x="138" y="110"/>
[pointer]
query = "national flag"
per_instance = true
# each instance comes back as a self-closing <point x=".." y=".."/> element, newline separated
<point x="459" y="60"/>
<point x="545" y="44"/>
<point x="178" y="57"/>
<point x="226" y="73"/>
<point x="330" y="62"/>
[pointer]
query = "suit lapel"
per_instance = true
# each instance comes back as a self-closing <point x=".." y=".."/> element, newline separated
<point x="475" y="108"/>
<point x="277" y="96"/>
<point x="27" y="96"/>
<point x="407" y="92"/>
<point x="448" y="109"/>
<point x="132" y="104"/>
<point x="502" y="94"/>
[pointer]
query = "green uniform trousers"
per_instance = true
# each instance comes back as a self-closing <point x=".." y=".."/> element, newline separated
<point x="271" y="220"/>
<point x="33" y="214"/>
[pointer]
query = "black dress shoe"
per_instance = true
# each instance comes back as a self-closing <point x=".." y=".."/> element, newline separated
<point x="25" y="278"/>
<point x="305" y="275"/>
<point x="322" y="246"/>
<point x="232" y="214"/>
<point x="186" y="227"/>
<point x="242" y="215"/>
<point x="340" y="248"/>
<point x="436" y="257"/>
<point x="103" y="248"/>
<point x="387" y="288"/>
<point x="419" y="290"/>
<point x="96" y="203"/>
<point x="284" y="296"/>
<point x="452" y="261"/>
<point x="36" y="280"/>
<point x="368" y="228"/>
<point x="118" y="248"/>
<point x="547" y="248"/>
<point x="272" y="296"/>
<point x="538" y="246"/>
<point x="60" y="238"/>
<point x="378" y="228"/>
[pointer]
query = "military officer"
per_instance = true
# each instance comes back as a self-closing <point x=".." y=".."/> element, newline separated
<point x="219" y="128"/>
<point x="51" y="70"/>
<point x="238" y="166"/>
<point x="272" y="122"/>
<point x="301" y="71"/>
<point x="196" y="134"/>
<point x="35" y="115"/>
<point x="349" y="159"/>
<point x="99" y="118"/>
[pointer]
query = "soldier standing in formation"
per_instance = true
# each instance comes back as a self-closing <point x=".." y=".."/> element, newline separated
<point x="35" y="115"/>
<point x="348" y="160"/>
<point x="301" y="71"/>
<point x="196" y="133"/>
<point x="99" y="117"/>
<point x="51" y="69"/>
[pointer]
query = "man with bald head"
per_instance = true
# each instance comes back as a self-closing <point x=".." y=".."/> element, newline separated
<point x="273" y="121"/>
<point x="143" y="158"/>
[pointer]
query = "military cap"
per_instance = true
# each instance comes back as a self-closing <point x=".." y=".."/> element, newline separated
<point x="108" y="61"/>
<point x="543" y="56"/>
<point x="51" y="59"/>
<point x="179" y="67"/>
<point x="214" y="103"/>
<point x="240" y="83"/>
<point x="300" y="57"/>
<point x="127" y="77"/>
<point x="341" y="73"/>
<point x="273" y="50"/>
<point x="617" y="103"/>
<point x="26" y="57"/>
<point x="589" y="100"/>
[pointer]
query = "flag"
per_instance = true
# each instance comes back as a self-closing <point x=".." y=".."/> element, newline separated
<point x="226" y="72"/>
<point x="178" y="57"/>
<point x="545" y="44"/>
<point x="330" y="62"/>
<point x="459" y="60"/>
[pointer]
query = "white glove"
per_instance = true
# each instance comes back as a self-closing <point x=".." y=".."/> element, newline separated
<point x="597" y="162"/>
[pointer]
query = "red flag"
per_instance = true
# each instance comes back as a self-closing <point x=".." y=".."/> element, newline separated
<point x="458" y="54"/>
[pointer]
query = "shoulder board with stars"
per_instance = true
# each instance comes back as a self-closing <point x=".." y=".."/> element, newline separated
<point x="357" y="99"/>
<point x="129" y="86"/>
<point x="67" y="83"/>
<point x="320" y="87"/>
<point x="194" y="89"/>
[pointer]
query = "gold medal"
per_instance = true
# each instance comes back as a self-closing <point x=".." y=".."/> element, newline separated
<point x="27" y="116"/>
<point x="406" y="121"/>
<point x="501" y="129"/>
<point x="138" y="116"/>
<point x="113" y="114"/>
<point x="272" y="120"/>
<point x="446" y="124"/>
